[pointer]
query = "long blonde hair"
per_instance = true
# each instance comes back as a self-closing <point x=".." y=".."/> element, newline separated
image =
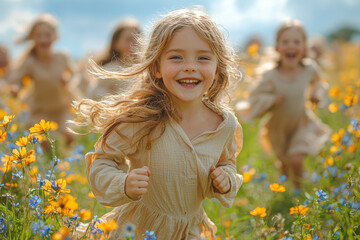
<point x="292" y="24"/>
<point x="149" y="101"/>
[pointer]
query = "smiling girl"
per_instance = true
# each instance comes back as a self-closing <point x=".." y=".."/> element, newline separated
<point x="291" y="129"/>
<point x="181" y="140"/>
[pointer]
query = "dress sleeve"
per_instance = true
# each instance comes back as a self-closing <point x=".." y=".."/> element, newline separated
<point x="260" y="101"/>
<point x="107" y="168"/>
<point x="318" y="88"/>
<point x="228" y="163"/>
<point x="17" y="74"/>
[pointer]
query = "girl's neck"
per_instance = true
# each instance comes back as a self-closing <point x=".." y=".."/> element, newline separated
<point x="44" y="56"/>
<point x="191" y="110"/>
<point x="291" y="71"/>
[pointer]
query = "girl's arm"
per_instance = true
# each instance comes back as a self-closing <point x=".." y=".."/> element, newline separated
<point x="17" y="74"/>
<point x="227" y="163"/>
<point x="261" y="100"/>
<point x="318" y="88"/>
<point x="107" y="169"/>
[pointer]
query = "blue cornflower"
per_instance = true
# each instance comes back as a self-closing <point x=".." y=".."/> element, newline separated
<point x="36" y="226"/>
<point x="287" y="238"/>
<point x="355" y="124"/>
<point x="34" y="202"/>
<point x="315" y="237"/>
<point x="282" y="178"/>
<point x="150" y="235"/>
<point x="57" y="160"/>
<point x="315" y="177"/>
<point x="18" y="174"/>
<point x="39" y="150"/>
<point x="332" y="170"/>
<point x="346" y="140"/>
<point x="35" y="140"/>
<point x="322" y="196"/>
<point x="45" y="231"/>
<point x="336" y="235"/>
<point x="40" y="180"/>
<point x="343" y="107"/>
<point x="3" y="224"/>
<point x="95" y="230"/>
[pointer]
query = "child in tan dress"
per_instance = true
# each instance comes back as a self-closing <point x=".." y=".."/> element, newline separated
<point x="49" y="71"/>
<point x="120" y="53"/>
<point x="290" y="129"/>
<point x="173" y="128"/>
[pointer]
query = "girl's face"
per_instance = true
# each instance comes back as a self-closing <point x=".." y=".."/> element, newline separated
<point x="126" y="42"/>
<point x="187" y="66"/>
<point x="43" y="37"/>
<point x="291" y="47"/>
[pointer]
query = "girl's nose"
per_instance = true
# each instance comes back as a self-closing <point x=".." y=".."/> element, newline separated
<point x="190" y="66"/>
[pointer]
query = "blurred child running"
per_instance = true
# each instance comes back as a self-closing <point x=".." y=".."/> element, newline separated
<point x="290" y="129"/>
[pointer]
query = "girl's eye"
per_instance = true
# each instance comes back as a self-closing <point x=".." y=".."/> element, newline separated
<point x="204" y="58"/>
<point x="175" y="57"/>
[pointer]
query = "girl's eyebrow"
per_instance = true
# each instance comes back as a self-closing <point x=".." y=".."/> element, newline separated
<point x="182" y="50"/>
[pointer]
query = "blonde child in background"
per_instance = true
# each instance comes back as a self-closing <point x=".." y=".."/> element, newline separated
<point x="120" y="53"/>
<point x="50" y="73"/>
<point x="290" y="129"/>
<point x="174" y="128"/>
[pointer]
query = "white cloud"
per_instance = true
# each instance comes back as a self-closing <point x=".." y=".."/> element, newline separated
<point x="17" y="21"/>
<point x="231" y="16"/>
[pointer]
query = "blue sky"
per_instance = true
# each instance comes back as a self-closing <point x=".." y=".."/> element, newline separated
<point x="86" y="25"/>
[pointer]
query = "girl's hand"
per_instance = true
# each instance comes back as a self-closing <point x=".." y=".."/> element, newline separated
<point x="220" y="179"/>
<point x="279" y="99"/>
<point x="314" y="100"/>
<point x="136" y="183"/>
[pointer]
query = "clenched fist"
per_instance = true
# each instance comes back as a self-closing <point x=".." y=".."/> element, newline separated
<point x="220" y="178"/>
<point x="137" y="182"/>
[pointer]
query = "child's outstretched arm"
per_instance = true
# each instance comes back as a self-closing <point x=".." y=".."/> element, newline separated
<point x="261" y="100"/>
<point x="225" y="180"/>
<point x="107" y="168"/>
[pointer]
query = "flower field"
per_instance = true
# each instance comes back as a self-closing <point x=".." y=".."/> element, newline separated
<point x="45" y="194"/>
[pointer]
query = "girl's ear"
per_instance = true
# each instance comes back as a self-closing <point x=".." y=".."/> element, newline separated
<point x="155" y="69"/>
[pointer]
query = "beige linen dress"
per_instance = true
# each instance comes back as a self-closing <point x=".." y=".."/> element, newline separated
<point x="179" y="179"/>
<point x="50" y="98"/>
<point x="290" y="128"/>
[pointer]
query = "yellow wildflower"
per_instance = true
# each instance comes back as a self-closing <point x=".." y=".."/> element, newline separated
<point x="277" y="187"/>
<point x="334" y="92"/>
<point x="350" y="100"/>
<point x="3" y="136"/>
<point x="91" y="195"/>
<point x="253" y="50"/>
<point x="62" y="234"/>
<point x="41" y="127"/>
<point x="333" y="108"/>
<point x="57" y="186"/>
<point x="22" y="142"/>
<point x="259" y="211"/>
<point x="6" y="120"/>
<point x="227" y="223"/>
<point x="85" y="214"/>
<point x="107" y="226"/>
<point x="298" y="210"/>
